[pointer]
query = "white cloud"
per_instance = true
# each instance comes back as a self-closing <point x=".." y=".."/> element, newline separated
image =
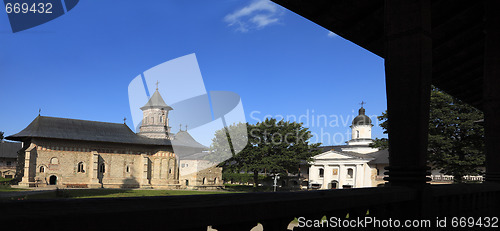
<point x="259" y="14"/>
<point x="331" y="34"/>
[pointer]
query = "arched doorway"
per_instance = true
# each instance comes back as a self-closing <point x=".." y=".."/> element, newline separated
<point x="334" y="184"/>
<point x="53" y="180"/>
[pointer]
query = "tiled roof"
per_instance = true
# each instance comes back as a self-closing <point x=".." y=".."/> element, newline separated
<point x="73" y="129"/>
<point x="9" y="149"/>
<point x="156" y="101"/>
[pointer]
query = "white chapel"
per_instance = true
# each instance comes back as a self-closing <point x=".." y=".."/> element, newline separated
<point x="353" y="165"/>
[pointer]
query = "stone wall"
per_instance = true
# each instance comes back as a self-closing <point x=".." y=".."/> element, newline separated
<point x="93" y="164"/>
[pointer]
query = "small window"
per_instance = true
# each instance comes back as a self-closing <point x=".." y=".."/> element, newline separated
<point x="128" y="169"/>
<point x="161" y="119"/>
<point x="350" y="173"/>
<point x="357" y="134"/>
<point x="81" y="167"/>
<point x="321" y="172"/>
<point x="9" y="163"/>
<point x="169" y="171"/>
<point x="42" y="169"/>
<point x="54" y="160"/>
<point x="152" y="120"/>
<point x="102" y="168"/>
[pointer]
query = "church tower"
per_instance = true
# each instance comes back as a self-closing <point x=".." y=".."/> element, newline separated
<point x="361" y="126"/>
<point x="155" y="118"/>
<point x="361" y="134"/>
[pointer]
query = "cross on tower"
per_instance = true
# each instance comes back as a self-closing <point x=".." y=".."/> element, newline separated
<point x="124" y="120"/>
<point x="180" y="127"/>
<point x="186" y="127"/>
<point x="157" y="82"/>
<point x="362" y="103"/>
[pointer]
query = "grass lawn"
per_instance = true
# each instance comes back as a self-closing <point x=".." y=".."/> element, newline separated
<point x="9" y="189"/>
<point x="100" y="193"/>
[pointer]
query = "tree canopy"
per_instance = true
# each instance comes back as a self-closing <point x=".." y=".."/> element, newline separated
<point x="273" y="147"/>
<point x="456" y="140"/>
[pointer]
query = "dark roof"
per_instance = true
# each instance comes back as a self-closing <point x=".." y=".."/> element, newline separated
<point x="183" y="138"/>
<point x="381" y="157"/>
<point x="457" y="33"/>
<point x="156" y="101"/>
<point x="9" y="149"/>
<point x="361" y="119"/>
<point x="72" y="129"/>
<point x="196" y="156"/>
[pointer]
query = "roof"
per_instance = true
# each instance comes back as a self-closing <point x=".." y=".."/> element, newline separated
<point x="84" y="130"/>
<point x="9" y="149"/>
<point x="381" y="157"/>
<point x="183" y="138"/>
<point x="378" y="157"/>
<point x="361" y="119"/>
<point x="457" y="32"/>
<point x="353" y="155"/>
<point x="156" y="101"/>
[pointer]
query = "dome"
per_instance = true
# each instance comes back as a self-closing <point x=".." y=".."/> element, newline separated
<point x="361" y="119"/>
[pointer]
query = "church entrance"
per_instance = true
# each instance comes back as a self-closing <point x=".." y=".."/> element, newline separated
<point x="53" y="180"/>
<point x="333" y="184"/>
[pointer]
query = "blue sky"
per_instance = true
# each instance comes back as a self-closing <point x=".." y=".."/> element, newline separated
<point x="80" y="64"/>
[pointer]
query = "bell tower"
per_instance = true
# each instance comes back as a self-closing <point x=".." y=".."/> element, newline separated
<point x="155" y="122"/>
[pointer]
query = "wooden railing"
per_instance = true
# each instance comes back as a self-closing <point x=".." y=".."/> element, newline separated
<point x="242" y="211"/>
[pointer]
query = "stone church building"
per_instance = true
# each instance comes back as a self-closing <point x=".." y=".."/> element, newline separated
<point x="81" y="153"/>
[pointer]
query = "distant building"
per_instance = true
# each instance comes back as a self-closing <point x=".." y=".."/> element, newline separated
<point x="8" y="158"/>
<point x="81" y="153"/>
<point x="350" y="166"/>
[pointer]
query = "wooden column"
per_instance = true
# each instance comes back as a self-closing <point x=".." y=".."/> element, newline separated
<point x="491" y="102"/>
<point x="408" y="67"/>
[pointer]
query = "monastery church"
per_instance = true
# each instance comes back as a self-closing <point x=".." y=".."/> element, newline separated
<point x="81" y="153"/>
<point x="353" y="165"/>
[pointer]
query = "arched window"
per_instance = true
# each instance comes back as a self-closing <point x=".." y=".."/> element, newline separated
<point x="350" y="173"/>
<point x="81" y="167"/>
<point x="321" y="172"/>
<point x="204" y="180"/>
<point x="216" y="181"/>
<point x="128" y="169"/>
<point x="357" y="134"/>
<point x="161" y="119"/>
<point x="102" y="168"/>
<point x="42" y="169"/>
<point x="54" y="160"/>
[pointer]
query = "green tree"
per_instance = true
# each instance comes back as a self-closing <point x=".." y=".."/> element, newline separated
<point x="222" y="143"/>
<point x="382" y="143"/>
<point x="456" y="141"/>
<point x="274" y="147"/>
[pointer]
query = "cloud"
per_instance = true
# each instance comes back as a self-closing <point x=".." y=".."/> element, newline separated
<point x="256" y="15"/>
<point x="331" y="34"/>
